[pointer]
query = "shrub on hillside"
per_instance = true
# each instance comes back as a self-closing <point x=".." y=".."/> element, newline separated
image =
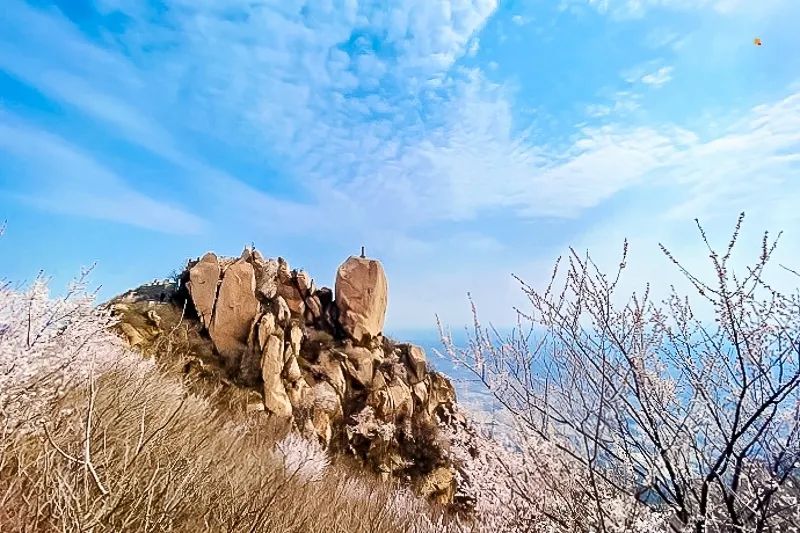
<point x="648" y="407"/>
<point x="48" y="346"/>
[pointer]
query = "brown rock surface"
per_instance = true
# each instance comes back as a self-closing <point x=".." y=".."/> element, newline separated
<point x="401" y="404"/>
<point x="276" y="401"/>
<point x="282" y="312"/>
<point x="132" y="334"/>
<point x="361" y="296"/>
<point x="266" y="327"/>
<point x="439" y="485"/>
<point x="202" y="286"/>
<point x="295" y="339"/>
<point x="266" y="276"/>
<point x="441" y="392"/>
<point x="234" y="312"/>
<point x="360" y="365"/>
<point x="329" y="366"/>
<point x="291" y="368"/>
<point x="313" y="311"/>
<point x="417" y="363"/>
<point x="326" y="408"/>
<point x="321" y="364"/>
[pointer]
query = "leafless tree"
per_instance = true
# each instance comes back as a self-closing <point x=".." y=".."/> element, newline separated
<point x="694" y="416"/>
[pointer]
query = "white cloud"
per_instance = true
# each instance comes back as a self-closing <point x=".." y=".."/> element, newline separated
<point x="598" y="110"/>
<point x="385" y="140"/>
<point x="753" y="167"/>
<point x="474" y="46"/>
<point x="676" y="175"/>
<point x="622" y="103"/>
<point x="291" y="90"/>
<point x="108" y="88"/>
<point x="443" y="146"/>
<point x="628" y="9"/>
<point x="645" y="74"/>
<point x="658" y="78"/>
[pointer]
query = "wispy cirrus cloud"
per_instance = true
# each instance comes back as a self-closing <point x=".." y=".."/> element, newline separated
<point x="315" y="91"/>
<point x="657" y="78"/>
<point x="649" y="74"/>
<point x="345" y="122"/>
<point x="408" y="136"/>
<point x="631" y="9"/>
<point x="111" y="89"/>
<point x="67" y="180"/>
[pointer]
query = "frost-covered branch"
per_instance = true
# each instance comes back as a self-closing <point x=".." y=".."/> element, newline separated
<point x="647" y="401"/>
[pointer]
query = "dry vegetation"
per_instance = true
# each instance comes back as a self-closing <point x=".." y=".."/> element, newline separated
<point x="96" y="438"/>
<point x="655" y="411"/>
<point x="623" y="418"/>
<point x="158" y="459"/>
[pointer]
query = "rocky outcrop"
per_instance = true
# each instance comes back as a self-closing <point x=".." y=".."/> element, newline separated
<point x="235" y="311"/>
<point x="276" y="400"/>
<point x="202" y="283"/>
<point x="361" y="298"/>
<point x="318" y="362"/>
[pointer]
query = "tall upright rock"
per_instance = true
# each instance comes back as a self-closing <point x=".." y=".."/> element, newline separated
<point x="202" y="284"/>
<point x="361" y="296"/>
<point x="234" y="312"/>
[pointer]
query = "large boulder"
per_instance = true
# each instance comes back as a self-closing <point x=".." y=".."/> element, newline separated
<point x="360" y="365"/>
<point x="234" y="312"/>
<point x="202" y="286"/>
<point x="361" y="296"/>
<point x="266" y="275"/>
<point x="276" y="401"/>
<point x="416" y="362"/>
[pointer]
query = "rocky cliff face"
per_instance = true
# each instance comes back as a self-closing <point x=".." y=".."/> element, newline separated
<point x="317" y="357"/>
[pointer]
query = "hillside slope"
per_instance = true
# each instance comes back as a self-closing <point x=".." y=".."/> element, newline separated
<point x="311" y="358"/>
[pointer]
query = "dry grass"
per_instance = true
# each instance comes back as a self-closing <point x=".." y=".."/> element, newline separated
<point x="161" y="440"/>
<point x="180" y="349"/>
<point x="160" y="459"/>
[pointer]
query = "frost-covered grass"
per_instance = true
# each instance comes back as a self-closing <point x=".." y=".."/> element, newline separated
<point x="96" y="438"/>
<point x="47" y="346"/>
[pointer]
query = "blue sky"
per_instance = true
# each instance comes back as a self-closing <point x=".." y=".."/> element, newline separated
<point x="460" y="141"/>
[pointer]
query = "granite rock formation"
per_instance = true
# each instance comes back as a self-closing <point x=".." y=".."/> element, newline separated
<point x="318" y="358"/>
